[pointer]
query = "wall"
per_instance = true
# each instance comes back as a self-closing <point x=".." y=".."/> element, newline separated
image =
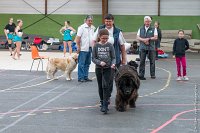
<point x="180" y="7"/>
<point x="73" y="7"/>
<point x="20" y="7"/>
<point x="116" y="7"/>
<point x="133" y="7"/>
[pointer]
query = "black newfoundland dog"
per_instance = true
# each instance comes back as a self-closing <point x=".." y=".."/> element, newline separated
<point x="127" y="84"/>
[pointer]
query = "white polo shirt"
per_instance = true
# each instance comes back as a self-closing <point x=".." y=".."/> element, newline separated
<point x="86" y="34"/>
<point x="111" y="38"/>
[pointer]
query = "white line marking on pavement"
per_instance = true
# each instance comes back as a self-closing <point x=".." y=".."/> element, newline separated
<point x="47" y="112"/>
<point x="39" y="107"/>
<point x="15" y="116"/>
<point x="75" y="108"/>
<point x="31" y="114"/>
<point x="32" y="92"/>
<point x="93" y="78"/>
<point x="164" y="88"/>
<point x="19" y="84"/>
<point x="33" y="99"/>
<point x="61" y="110"/>
<point x="18" y="75"/>
<point x="29" y="86"/>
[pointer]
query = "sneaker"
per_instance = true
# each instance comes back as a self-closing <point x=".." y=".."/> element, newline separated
<point x="185" y="78"/>
<point x="153" y="77"/>
<point x="178" y="78"/>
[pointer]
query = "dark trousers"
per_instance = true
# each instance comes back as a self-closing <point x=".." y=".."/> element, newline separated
<point x="156" y="53"/>
<point x="105" y="81"/>
<point x="151" y="55"/>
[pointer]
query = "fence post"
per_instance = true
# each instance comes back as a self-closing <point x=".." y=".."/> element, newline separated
<point x="45" y="7"/>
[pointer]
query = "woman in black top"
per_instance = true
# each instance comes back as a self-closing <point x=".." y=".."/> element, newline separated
<point x="9" y="33"/>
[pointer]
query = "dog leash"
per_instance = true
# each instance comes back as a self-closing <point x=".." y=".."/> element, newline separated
<point x="117" y="69"/>
<point x="112" y="72"/>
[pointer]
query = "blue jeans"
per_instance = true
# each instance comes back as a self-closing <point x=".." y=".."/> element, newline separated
<point x="84" y="61"/>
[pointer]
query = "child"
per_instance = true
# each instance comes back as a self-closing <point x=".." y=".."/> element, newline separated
<point x="157" y="42"/>
<point x="67" y="37"/>
<point x="104" y="57"/>
<point x="179" y="48"/>
<point x="18" y="39"/>
<point x="134" y="49"/>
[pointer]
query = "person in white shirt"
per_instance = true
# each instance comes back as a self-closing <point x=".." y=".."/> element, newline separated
<point x="146" y="36"/>
<point x="115" y="38"/>
<point x="84" y="40"/>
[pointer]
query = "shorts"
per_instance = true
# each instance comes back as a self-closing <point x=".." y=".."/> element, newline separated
<point x="17" y="39"/>
<point x="10" y="36"/>
<point x="67" y="40"/>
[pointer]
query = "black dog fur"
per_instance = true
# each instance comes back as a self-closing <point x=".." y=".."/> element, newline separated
<point x="127" y="84"/>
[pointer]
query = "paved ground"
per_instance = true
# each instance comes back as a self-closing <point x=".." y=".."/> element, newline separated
<point x="32" y="104"/>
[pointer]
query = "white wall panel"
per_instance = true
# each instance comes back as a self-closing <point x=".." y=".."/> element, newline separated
<point x="20" y="7"/>
<point x="133" y="7"/>
<point x="116" y="7"/>
<point x="180" y="7"/>
<point x="75" y="6"/>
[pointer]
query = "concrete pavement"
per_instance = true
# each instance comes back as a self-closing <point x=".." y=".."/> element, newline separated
<point x="7" y="63"/>
<point x="32" y="104"/>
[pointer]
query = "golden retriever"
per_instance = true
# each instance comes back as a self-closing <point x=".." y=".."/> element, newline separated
<point x="67" y="65"/>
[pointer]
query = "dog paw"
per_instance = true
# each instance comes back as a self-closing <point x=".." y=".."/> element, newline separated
<point x="55" y="78"/>
<point x="121" y="109"/>
<point x="132" y="106"/>
<point x="68" y="79"/>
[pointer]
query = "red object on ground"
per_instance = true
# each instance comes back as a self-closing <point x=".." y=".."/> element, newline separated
<point x="160" y="52"/>
<point x="37" y="40"/>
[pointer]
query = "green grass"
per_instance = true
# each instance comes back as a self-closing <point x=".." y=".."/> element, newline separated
<point x="126" y="23"/>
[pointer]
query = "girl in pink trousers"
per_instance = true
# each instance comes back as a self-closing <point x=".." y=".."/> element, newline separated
<point x="179" y="48"/>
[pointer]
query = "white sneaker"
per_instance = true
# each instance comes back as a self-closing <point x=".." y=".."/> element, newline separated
<point x="185" y="78"/>
<point x="179" y="78"/>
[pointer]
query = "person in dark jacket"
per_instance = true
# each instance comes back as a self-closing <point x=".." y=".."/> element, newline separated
<point x="116" y="38"/>
<point x="157" y="42"/>
<point x="179" y="48"/>
<point x="146" y="36"/>
<point x="103" y="56"/>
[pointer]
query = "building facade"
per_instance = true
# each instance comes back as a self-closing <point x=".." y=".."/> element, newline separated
<point x="116" y="7"/>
